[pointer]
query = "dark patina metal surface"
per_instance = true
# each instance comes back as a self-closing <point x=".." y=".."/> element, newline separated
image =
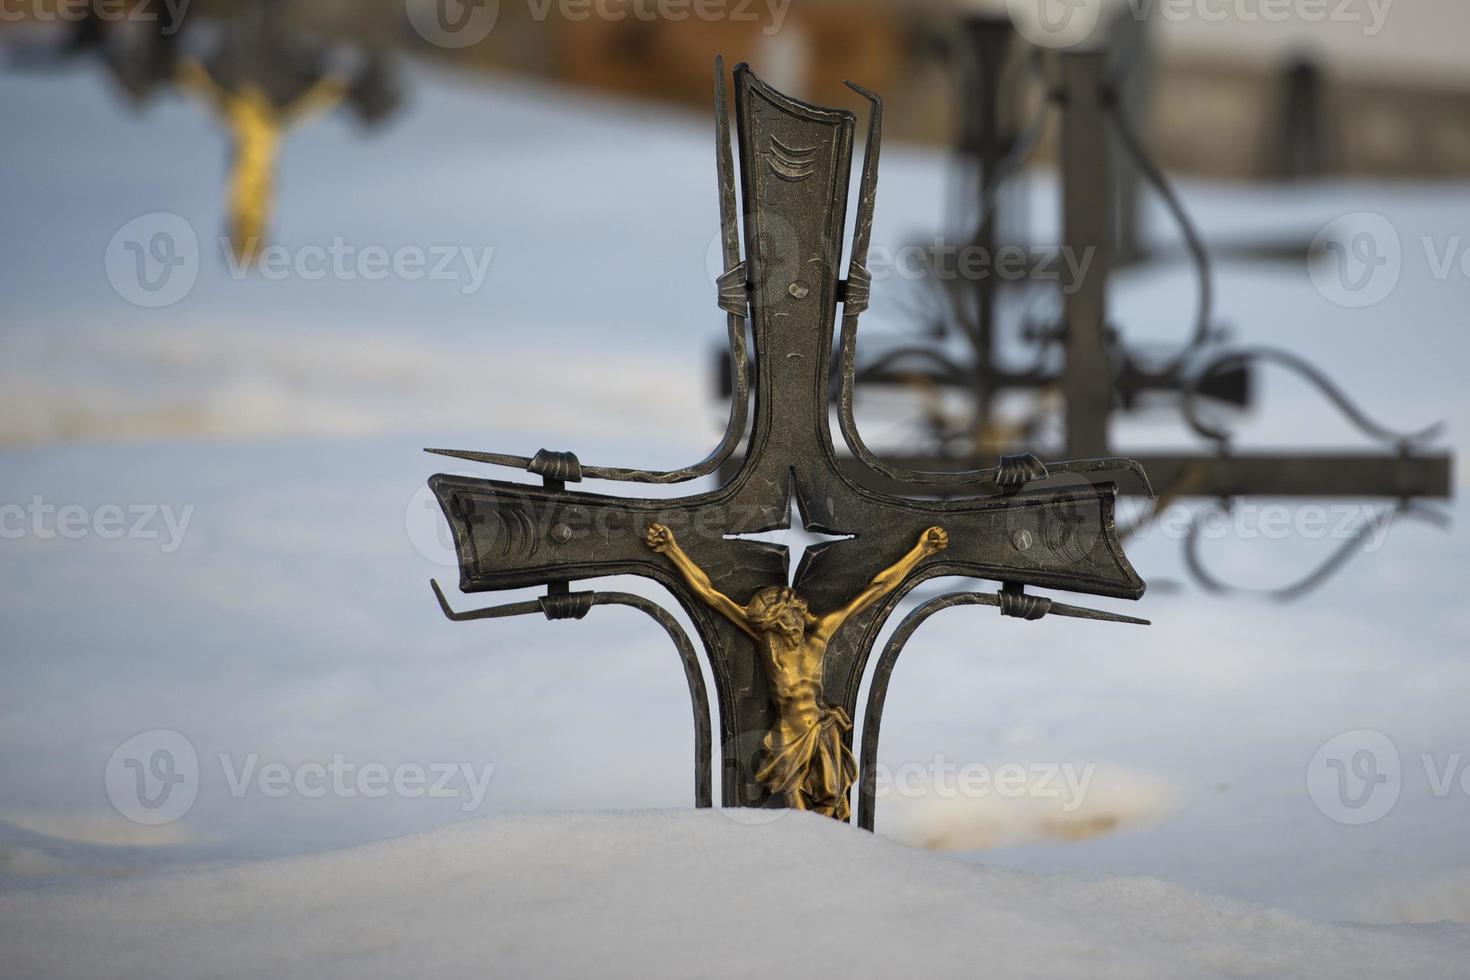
<point x="1021" y="522"/>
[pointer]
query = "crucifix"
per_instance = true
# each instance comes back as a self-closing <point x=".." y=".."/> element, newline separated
<point x="788" y="653"/>
<point x="259" y="83"/>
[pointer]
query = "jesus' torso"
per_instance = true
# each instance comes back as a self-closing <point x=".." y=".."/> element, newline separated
<point x="794" y="671"/>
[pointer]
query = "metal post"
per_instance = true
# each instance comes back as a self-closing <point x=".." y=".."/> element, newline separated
<point x="986" y="139"/>
<point x="1129" y="43"/>
<point x="1087" y="233"/>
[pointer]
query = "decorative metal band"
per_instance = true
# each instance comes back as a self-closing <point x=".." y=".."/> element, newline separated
<point x="570" y="605"/>
<point x="1016" y="603"/>
<point x="1018" y="470"/>
<point x="734" y="293"/>
<point x="556" y="466"/>
<point x="857" y="290"/>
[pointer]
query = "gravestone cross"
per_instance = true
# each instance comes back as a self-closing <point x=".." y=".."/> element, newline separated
<point x="787" y="655"/>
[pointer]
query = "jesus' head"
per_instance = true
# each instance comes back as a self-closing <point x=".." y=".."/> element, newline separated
<point x="778" y="607"/>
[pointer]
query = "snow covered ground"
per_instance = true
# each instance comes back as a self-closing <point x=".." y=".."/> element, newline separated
<point x="676" y="894"/>
<point x="273" y="611"/>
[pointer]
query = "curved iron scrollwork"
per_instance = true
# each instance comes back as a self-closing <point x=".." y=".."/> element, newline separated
<point x="1012" y="601"/>
<point x="1402" y="442"/>
<point x="575" y="605"/>
<point x="1244" y="357"/>
<point x="1329" y="566"/>
<point x="1194" y="243"/>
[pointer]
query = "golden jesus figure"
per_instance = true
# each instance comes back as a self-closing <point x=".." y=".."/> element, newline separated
<point x="806" y="760"/>
<point x="256" y="125"/>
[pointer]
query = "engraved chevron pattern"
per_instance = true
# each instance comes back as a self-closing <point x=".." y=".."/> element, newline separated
<point x="791" y="163"/>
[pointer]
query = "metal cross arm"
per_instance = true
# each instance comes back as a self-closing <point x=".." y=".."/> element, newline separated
<point x="787" y="654"/>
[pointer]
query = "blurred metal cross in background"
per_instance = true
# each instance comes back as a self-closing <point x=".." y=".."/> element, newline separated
<point x="1079" y="359"/>
<point x="1020" y="523"/>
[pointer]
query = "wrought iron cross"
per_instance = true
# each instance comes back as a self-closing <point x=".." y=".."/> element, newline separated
<point x="787" y="662"/>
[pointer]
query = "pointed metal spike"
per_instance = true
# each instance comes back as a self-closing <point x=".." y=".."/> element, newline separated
<point x="725" y="171"/>
<point x="494" y="459"/>
<point x="1081" y="612"/>
<point x="868" y="188"/>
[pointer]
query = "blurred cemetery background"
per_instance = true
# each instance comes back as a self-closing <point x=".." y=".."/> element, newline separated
<point x="238" y="443"/>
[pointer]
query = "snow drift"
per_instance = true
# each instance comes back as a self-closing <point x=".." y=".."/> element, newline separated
<point x="672" y="894"/>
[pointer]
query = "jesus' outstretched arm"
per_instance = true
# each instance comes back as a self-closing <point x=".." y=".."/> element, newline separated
<point x="661" y="540"/>
<point x="194" y="78"/>
<point x="321" y="97"/>
<point x="933" y="540"/>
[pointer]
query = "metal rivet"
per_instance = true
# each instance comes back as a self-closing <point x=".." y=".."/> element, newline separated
<point x="560" y="533"/>
<point x="1022" y="539"/>
<point x="798" y="289"/>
